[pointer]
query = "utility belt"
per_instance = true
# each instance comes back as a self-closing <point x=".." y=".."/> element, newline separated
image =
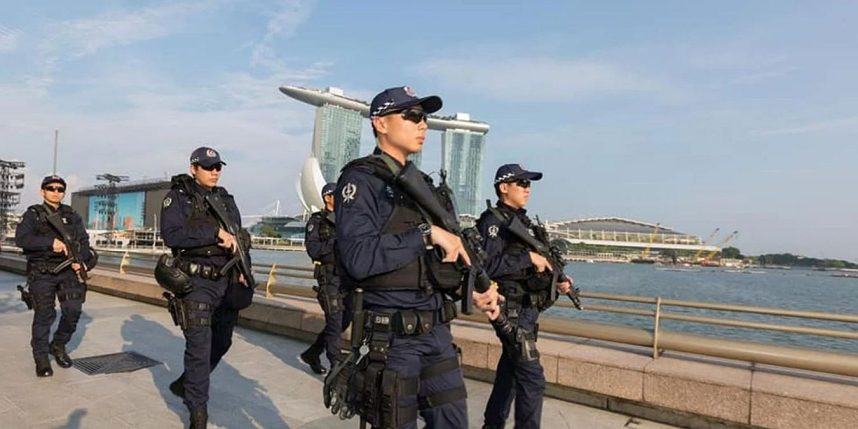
<point x="44" y="267"/>
<point x="206" y="271"/>
<point x="186" y="313"/>
<point x="409" y="322"/>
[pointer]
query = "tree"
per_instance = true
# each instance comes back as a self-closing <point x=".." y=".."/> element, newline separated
<point x="731" y="253"/>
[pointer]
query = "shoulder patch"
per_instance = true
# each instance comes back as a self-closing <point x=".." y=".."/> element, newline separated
<point x="349" y="192"/>
<point x="167" y="202"/>
<point x="493" y="231"/>
<point x="310" y="227"/>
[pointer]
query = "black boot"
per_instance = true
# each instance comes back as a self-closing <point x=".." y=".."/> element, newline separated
<point x="311" y="358"/>
<point x="178" y="386"/>
<point x="199" y="418"/>
<point x="43" y="367"/>
<point x="60" y="355"/>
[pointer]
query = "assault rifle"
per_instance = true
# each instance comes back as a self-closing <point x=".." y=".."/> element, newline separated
<point x="242" y="255"/>
<point x="539" y="243"/>
<point x="411" y="180"/>
<point x="56" y="221"/>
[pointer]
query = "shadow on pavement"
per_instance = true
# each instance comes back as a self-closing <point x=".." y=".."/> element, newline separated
<point x="79" y="332"/>
<point x="287" y="355"/>
<point x="248" y="402"/>
<point x="74" y="419"/>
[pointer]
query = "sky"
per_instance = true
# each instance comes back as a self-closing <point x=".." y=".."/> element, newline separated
<point x="696" y="115"/>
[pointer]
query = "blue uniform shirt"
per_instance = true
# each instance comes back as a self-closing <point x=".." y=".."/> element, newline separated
<point x="364" y="203"/>
<point x="179" y="233"/>
<point x="501" y="261"/>
<point x="37" y="240"/>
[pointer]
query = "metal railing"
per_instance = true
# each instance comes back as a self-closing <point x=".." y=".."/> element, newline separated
<point x="656" y="338"/>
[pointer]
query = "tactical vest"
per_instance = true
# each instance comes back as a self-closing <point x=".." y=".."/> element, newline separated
<point x="44" y="229"/>
<point x="424" y="273"/>
<point x="327" y="231"/>
<point x="199" y="216"/>
<point x="535" y="285"/>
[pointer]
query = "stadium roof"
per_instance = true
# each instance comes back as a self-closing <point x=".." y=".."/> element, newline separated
<point x="614" y="224"/>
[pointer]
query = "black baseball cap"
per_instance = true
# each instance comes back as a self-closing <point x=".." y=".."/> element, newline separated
<point x="328" y="189"/>
<point x="512" y="172"/>
<point x="53" y="179"/>
<point x="400" y="98"/>
<point x="206" y="157"/>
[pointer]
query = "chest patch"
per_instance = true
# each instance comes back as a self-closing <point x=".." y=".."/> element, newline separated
<point x="493" y="231"/>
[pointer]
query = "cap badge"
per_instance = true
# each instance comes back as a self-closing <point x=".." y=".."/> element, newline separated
<point x="410" y="91"/>
<point x="211" y="153"/>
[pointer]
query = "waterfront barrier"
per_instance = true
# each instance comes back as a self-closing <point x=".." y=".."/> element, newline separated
<point x="682" y="379"/>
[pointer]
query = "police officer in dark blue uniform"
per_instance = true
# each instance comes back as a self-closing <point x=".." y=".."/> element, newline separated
<point x="387" y="249"/>
<point x="50" y="272"/>
<point x="202" y="247"/>
<point x="512" y="265"/>
<point x="319" y="239"/>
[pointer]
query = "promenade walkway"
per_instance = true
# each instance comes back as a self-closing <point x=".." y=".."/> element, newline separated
<point x="259" y="384"/>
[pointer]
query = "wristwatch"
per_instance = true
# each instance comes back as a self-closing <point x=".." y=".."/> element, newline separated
<point x="426" y="232"/>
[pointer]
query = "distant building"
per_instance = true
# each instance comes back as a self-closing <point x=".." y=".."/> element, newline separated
<point x="622" y="238"/>
<point x="138" y="205"/>
<point x="336" y="137"/>
<point x="462" y="157"/>
<point x="336" y="141"/>
<point x="287" y="227"/>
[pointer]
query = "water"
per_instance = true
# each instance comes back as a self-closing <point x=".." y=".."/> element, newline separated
<point x="796" y="289"/>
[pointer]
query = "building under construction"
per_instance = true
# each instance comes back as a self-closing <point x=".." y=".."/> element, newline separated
<point x="11" y="183"/>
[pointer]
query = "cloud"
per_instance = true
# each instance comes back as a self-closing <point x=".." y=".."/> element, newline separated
<point x="282" y="23"/>
<point x="139" y="119"/>
<point x="81" y="37"/>
<point x="9" y="39"/>
<point x="848" y="123"/>
<point x="536" y="78"/>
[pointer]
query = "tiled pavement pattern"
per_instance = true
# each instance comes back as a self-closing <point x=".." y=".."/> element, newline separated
<point x="259" y="384"/>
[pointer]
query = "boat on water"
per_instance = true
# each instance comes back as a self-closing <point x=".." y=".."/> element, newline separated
<point x="642" y="261"/>
<point x="676" y="269"/>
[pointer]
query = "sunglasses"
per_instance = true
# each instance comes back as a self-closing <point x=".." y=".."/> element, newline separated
<point x="414" y="115"/>
<point x="522" y="183"/>
<point x="216" y="167"/>
<point x="59" y="189"/>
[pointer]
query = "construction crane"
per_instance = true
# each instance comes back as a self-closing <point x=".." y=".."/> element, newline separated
<point x="720" y="245"/>
<point x="708" y="239"/>
<point x="644" y="258"/>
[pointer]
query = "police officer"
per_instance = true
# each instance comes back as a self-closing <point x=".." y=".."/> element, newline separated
<point x="202" y="246"/>
<point x="51" y="273"/>
<point x="385" y="247"/>
<point x="319" y="239"/>
<point x="519" y="374"/>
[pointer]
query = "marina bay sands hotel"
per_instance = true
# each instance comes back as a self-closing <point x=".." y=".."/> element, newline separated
<point x="336" y="141"/>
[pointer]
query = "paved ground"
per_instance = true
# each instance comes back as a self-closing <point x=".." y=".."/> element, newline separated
<point x="259" y="384"/>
